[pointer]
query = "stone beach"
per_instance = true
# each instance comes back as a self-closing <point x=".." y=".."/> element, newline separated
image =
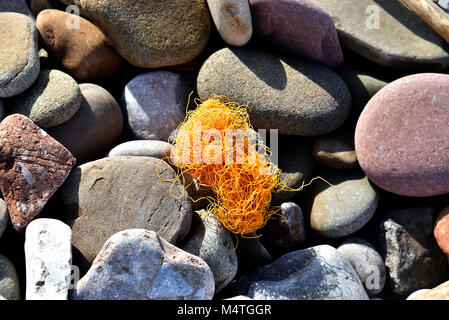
<point x="351" y="97"/>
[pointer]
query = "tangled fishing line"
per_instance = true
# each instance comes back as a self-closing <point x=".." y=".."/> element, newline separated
<point x="219" y="149"/>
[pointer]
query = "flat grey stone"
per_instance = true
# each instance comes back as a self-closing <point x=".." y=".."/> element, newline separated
<point x="142" y="148"/>
<point x="136" y="264"/>
<point x="48" y="255"/>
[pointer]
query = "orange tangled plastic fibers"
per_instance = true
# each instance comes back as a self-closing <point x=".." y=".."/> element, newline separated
<point x="217" y="146"/>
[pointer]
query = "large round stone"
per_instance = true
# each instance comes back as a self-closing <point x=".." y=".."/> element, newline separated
<point x="296" y="97"/>
<point x="117" y="193"/>
<point x="402" y="136"/>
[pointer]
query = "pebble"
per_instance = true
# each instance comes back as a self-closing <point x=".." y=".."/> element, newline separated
<point x="251" y="253"/>
<point x="345" y="211"/>
<point x="233" y="20"/>
<point x="3" y="216"/>
<point x="411" y="254"/>
<point x="9" y="280"/>
<point x="296" y="97"/>
<point x="96" y="126"/>
<point x="363" y="86"/>
<point x="387" y="33"/>
<point x="441" y="230"/>
<point x="155" y="104"/>
<point x="440" y="292"/>
<point x="151" y="33"/>
<point x="296" y="163"/>
<point x="53" y="99"/>
<point x="210" y="241"/>
<point x="18" y="6"/>
<point x="112" y="194"/>
<point x="85" y="52"/>
<point x="287" y="232"/>
<point x="416" y="293"/>
<point x="18" y="53"/>
<point x="136" y="264"/>
<point x="316" y="273"/>
<point x="301" y="27"/>
<point x="400" y="139"/>
<point x="336" y="150"/>
<point x="48" y="255"/>
<point x="34" y="165"/>
<point x="142" y="148"/>
<point x="367" y="262"/>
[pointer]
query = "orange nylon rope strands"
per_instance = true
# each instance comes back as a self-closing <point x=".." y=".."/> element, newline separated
<point x="217" y="146"/>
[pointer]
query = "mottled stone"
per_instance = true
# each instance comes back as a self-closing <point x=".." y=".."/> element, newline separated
<point x="18" y="6"/>
<point x="367" y="262"/>
<point x="210" y="241"/>
<point x="9" y="280"/>
<point x="287" y="231"/>
<point x="412" y="256"/>
<point x="300" y="26"/>
<point x="85" y="52"/>
<point x="137" y="264"/>
<point x="151" y="33"/>
<point x="94" y="128"/>
<point x="345" y="208"/>
<point x="317" y="273"/>
<point x="232" y="19"/>
<point x="33" y="166"/>
<point x="438" y="293"/>
<point x="441" y="230"/>
<point x="293" y="156"/>
<point x="155" y="103"/>
<point x="53" y="99"/>
<point x="48" y="255"/>
<point x="296" y="97"/>
<point x="143" y="148"/>
<point x="116" y="193"/>
<point x="401" y="139"/>
<point x="18" y="53"/>
<point x="387" y="33"/>
<point x="336" y="150"/>
<point x="3" y="216"/>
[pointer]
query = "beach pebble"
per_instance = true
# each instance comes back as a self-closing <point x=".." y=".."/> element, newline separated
<point x="53" y="99"/>
<point x="232" y="19"/>
<point x="18" y="6"/>
<point x="336" y="150"/>
<point x="33" y="166"/>
<point x="416" y="293"/>
<point x="440" y="292"/>
<point x="18" y="53"/>
<point x="94" y="128"/>
<point x="142" y="148"/>
<point x="296" y="275"/>
<point x="155" y="103"/>
<point x="441" y="230"/>
<point x="287" y="231"/>
<point x="85" y="52"/>
<point x="401" y="139"/>
<point x="301" y="27"/>
<point x="210" y="241"/>
<point x="136" y="264"/>
<point x="9" y="280"/>
<point x="251" y="253"/>
<point x="4" y="217"/>
<point x="48" y="255"/>
<point x="367" y="262"/>
<point x="412" y="256"/>
<point x="151" y="33"/>
<point x="346" y="208"/>
<point x="387" y="32"/>
<point x="116" y="193"/>
<point x="294" y="96"/>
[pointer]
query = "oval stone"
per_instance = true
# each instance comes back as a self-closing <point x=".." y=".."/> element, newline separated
<point x="402" y="136"/>
<point x="296" y="97"/>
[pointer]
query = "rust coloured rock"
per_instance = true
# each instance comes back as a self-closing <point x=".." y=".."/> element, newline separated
<point x="33" y="166"/>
